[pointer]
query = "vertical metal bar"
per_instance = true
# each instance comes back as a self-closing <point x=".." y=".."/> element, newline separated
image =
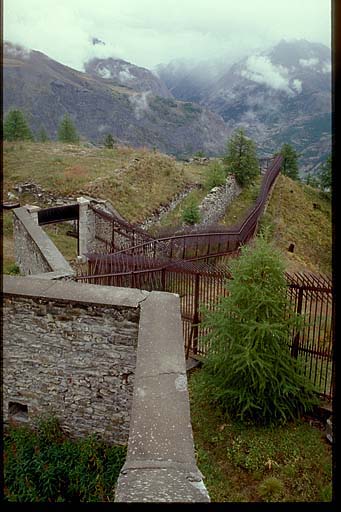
<point x="295" y="345"/>
<point x="196" y="313"/>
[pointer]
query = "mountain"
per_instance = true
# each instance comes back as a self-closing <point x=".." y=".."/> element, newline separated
<point x="113" y="96"/>
<point x="280" y="95"/>
<point x="122" y="73"/>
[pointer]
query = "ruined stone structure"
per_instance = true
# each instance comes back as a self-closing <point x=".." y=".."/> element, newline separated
<point x="104" y="360"/>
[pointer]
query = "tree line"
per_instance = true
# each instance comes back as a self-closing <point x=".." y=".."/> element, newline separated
<point x="16" y="127"/>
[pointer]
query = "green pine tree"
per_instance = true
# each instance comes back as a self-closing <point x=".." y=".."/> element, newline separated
<point x="241" y="158"/>
<point x="42" y="135"/>
<point x="191" y="214"/>
<point x="67" y="131"/>
<point x="249" y="371"/>
<point x="109" y="141"/>
<point x="290" y="163"/>
<point x="16" y="127"/>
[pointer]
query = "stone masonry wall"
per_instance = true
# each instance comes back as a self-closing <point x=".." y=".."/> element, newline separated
<point x="73" y="355"/>
<point x="27" y="253"/>
<point x="35" y="253"/>
<point x="213" y="206"/>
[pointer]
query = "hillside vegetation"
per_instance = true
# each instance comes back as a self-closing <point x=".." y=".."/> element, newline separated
<point x="138" y="181"/>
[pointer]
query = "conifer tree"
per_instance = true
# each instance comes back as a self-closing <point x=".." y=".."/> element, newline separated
<point x="42" y="135"/>
<point x="249" y="371"/>
<point x="109" y="141"/>
<point x="290" y="164"/>
<point x="16" y="127"/>
<point x="241" y="158"/>
<point x="67" y="131"/>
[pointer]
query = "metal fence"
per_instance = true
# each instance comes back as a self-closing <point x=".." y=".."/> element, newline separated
<point x="181" y="264"/>
<point x="200" y="284"/>
<point x="203" y="243"/>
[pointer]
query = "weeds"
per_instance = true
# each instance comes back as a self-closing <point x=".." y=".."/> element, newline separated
<point x="46" y="466"/>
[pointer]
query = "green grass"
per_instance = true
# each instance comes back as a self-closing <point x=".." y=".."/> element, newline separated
<point x="47" y="466"/>
<point x="294" y="219"/>
<point x="139" y="181"/>
<point x="239" y="207"/>
<point x="259" y="464"/>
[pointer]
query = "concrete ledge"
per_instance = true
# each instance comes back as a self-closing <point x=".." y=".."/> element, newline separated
<point x="160" y="464"/>
<point x="53" y="259"/>
<point x="71" y="292"/>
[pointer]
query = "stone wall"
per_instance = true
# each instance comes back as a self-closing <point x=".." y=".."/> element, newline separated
<point x="214" y="205"/>
<point x="35" y="253"/>
<point x="70" y="350"/>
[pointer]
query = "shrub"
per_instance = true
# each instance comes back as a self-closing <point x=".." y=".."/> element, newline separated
<point x="271" y="489"/>
<point x="47" y="466"/>
<point x="216" y="176"/>
<point x="191" y="214"/>
<point x="249" y="371"/>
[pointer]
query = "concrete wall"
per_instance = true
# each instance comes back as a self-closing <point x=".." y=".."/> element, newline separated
<point x="160" y="464"/>
<point x="35" y="253"/>
<point x="70" y="349"/>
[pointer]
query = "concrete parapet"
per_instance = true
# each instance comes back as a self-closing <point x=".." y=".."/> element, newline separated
<point x="35" y="253"/>
<point x="160" y="464"/>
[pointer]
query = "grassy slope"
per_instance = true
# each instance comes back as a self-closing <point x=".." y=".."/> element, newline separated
<point x="301" y="215"/>
<point x="138" y="181"/>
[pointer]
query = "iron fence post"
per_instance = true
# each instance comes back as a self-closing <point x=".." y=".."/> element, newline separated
<point x="296" y="341"/>
<point x="195" y="322"/>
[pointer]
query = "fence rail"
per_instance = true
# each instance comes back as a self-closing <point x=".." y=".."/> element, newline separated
<point x="181" y="264"/>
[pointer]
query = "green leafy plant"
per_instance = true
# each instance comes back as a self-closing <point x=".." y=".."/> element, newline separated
<point x="249" y="371"/>
<point x="271" y="489"/>
<point x="216" y="176"/>
<point x="109" y="141"/>
<point x="191" y="213"/>
<point x="13" y="269"/>
<point x="45" y="465"/>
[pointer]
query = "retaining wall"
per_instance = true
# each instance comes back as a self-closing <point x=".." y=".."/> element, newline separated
<point x="70" y="350"/>
<point x="35" y="253"/>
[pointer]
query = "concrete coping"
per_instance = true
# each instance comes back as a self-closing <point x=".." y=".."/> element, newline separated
<point x="160" y="464"/>
<point x="72" y="292"/>
<point x="48" y="250"/>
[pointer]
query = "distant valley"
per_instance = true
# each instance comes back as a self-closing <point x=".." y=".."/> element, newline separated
<point x="282" y="95"/>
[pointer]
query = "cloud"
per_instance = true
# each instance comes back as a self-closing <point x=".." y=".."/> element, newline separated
<point x="149" y="32"/>
<point x="17" y="51"/>
<point x="261" y="70"/>
<point x="327" y="67"/>
<point x="140" y="103"/>
<point x="297" y="85"/>
<point x="309" y="63"/>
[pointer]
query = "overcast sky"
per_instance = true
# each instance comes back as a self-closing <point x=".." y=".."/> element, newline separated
<point x="149" y="32"/>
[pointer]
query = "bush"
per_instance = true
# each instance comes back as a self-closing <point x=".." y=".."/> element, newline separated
<point x="191" y="214"/>
<point x="216" y="176"/>
<point x="47" y="466"/>
<point x="249" y="371"/>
